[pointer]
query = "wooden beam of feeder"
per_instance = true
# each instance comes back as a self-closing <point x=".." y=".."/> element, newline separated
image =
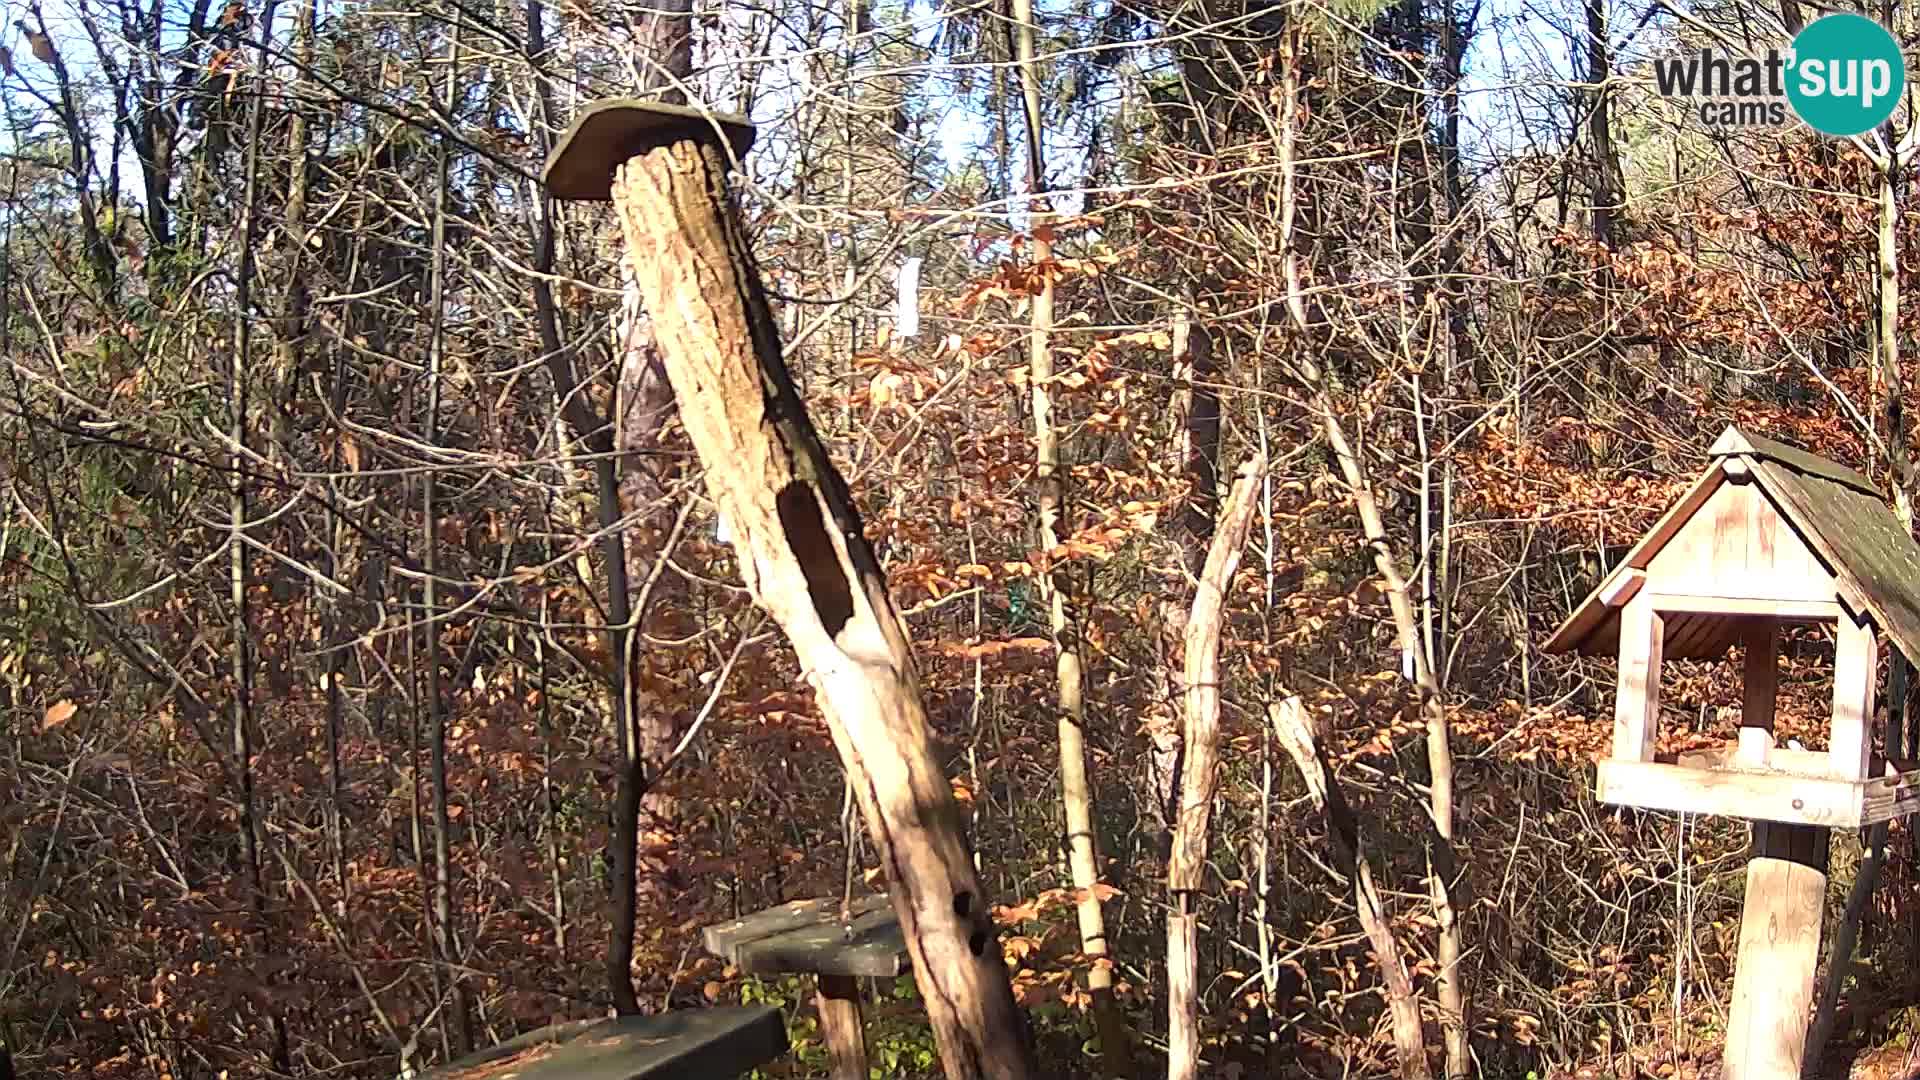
<point x="806" y="937"/>
<point x="805" y="558"/>
<point x="721" y="1041"/>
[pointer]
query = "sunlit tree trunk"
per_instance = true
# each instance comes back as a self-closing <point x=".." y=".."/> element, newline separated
<point x="1076" y="790"/>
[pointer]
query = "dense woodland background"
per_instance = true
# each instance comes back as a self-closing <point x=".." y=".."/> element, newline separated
<point x="344" y="505"/>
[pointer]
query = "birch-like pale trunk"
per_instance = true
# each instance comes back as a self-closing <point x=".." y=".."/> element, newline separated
<point x="1199" y="770"/>
<point x="1076" y="789"/>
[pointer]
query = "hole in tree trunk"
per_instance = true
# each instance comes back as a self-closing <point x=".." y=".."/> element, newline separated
<point x="807" y="535"/>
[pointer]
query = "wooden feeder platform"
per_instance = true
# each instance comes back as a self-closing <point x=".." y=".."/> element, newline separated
<point x="806" y="937"/>
<point x="809" y="937"/>
<point x="1793" y="787"/>
<point x="688" y="1044"/>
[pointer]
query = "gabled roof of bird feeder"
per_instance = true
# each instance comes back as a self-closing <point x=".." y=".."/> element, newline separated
<point x="1806" y="531"/>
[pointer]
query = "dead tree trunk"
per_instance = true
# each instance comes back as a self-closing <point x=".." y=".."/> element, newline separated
<point x="1290" y="727"/>
<point x="1199" y="770"/>
<point x="805" y="558"/>
<point x="1846" y="936"/>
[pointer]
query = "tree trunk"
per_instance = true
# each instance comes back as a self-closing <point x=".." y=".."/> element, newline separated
<point x="1887" y="264"/>
<point x="1199" y="770"/>
<point x="1443" y="873"/>
<point x="1291" y="728"/>
<point x="1604" y="184"/>
<point x="1076" y="791"/>
<point x="239" y="371"/>
<point x="596" y="434"/>
<point x="647" y="818"/>
<point x="1196" y="450"/>
<point x="805" y="558"/>
<point x="1846" y="934"/>
<point x="1605" y="181"/>
<point x="446" y="941"/>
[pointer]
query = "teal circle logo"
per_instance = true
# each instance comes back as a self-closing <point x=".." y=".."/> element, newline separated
<point x="1846" y="75"/>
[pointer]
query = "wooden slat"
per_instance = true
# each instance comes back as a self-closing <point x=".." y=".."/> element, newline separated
<point x="721" y="938"/>
<point x="1785" y="610"/>
<point x="1760" y="681"/>
<point x="1767" y="540"/>
<point x="1675" y="632"/>
<point x="1728" y="569"/>
<point x="1855" y="667"/>
<point x="1758" y="796"/>
<point x="1689" y="637"/>
<point x="807" y="937"/>
<point x="1622" y="587"/>
<point x="687" y="1044"/>
<point x="1768" y="795"/>
<point x="1721" y="634"/>
<point x="1736" y="545"/>
<point x="1782" y="761"/>
<point x="1636" y="714"/>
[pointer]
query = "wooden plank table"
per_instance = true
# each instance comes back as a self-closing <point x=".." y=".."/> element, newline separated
<point x="687" y="1044"/>
<point x="807" y="937"/>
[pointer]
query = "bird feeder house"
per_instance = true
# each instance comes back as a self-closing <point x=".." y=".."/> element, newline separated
<point x="1770" y="535"/>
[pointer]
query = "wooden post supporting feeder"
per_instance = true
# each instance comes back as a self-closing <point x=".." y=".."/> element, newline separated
<point x="1769" y="535"/>
<point x="802" y="549"/>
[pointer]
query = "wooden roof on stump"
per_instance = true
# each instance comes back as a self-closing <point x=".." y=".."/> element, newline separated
<point x="1806" y="528"/>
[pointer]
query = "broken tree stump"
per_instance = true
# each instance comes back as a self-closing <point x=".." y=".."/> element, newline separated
<point x="802" y="549"/>
<point x="807" y="937"/>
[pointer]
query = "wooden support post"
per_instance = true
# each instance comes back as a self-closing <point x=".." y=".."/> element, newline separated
<point x="1779" y="948"/>
<point x="1636" y="707"/>
<point x="1760" y="686"/>
<point x="846" y="1039"/>
<point x="1855" y="667"/>
<point x="1898" y="739"/>
<point x="802" y="548"/>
